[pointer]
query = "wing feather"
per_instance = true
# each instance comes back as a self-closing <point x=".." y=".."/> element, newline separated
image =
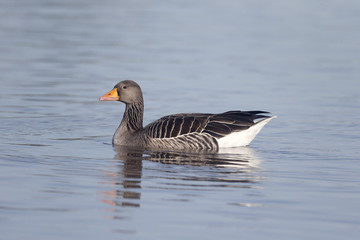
<point x="216" y="125"/>
<point x="176" y="125"/>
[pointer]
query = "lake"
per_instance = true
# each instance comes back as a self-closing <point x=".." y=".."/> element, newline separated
<point x="62" y="179"/>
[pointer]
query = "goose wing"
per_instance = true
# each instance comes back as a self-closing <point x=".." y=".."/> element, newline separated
<point x="216" y="125"/>
<point x="177" y="125"/>
<point x="220" y="125"/>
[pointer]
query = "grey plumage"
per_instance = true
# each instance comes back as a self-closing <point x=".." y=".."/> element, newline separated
<point x="199" y="131"/>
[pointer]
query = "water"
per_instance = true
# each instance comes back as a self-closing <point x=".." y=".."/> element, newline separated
<point x="61" y="178"/>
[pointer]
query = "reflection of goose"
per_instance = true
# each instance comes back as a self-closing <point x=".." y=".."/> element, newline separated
<point x="182" y="131"/>
<point x="123" y="182"/>
<point x="128" y="177"/>
<point x="241" y="157"/>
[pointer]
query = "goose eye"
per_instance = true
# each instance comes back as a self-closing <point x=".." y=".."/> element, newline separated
<point x="124" y="87"/>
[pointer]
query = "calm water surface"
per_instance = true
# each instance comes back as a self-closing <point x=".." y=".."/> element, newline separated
<point x="60" y="177"/>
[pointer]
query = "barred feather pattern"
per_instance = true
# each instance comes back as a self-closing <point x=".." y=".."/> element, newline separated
<point x="194" y="141"/>
<point x="176" y="125"/>
<point x="198" y="131"/>
<point x="133" y="116"/>
<point x="182" y="131"/>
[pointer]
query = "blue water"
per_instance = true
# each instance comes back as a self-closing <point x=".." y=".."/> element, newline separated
<point x="60" y="177"/>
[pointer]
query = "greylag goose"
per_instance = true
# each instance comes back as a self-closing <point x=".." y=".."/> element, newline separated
<point x="196" y="131"/>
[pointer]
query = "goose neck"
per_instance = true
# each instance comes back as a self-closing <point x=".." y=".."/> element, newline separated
<point x="133" y="116"/>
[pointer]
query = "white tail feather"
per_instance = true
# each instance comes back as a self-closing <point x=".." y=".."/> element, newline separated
<point x="243" y="138"/>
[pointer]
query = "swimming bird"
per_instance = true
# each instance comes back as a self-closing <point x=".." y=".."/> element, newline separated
<point x="188" y="131"/>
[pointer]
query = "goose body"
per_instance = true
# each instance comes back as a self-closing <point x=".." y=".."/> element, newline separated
<point x="197" y="131"/>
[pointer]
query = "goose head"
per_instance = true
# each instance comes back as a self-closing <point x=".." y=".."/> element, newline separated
<point x="128" y="92"/>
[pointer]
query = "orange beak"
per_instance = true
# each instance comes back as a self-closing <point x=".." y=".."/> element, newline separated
<point x="110" y="96"/>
